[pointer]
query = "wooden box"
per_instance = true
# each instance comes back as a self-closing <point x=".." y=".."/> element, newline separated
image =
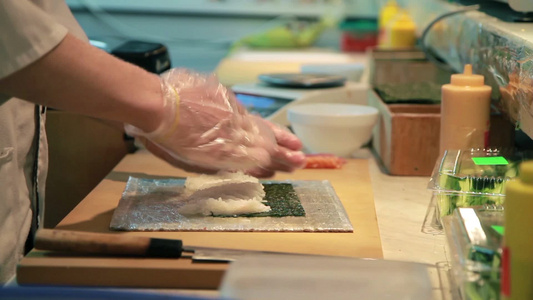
<point x="406" y="137"/>
<point x="404" y="66"/>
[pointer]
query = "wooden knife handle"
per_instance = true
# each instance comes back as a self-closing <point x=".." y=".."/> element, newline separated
<point x="105" y="243"/>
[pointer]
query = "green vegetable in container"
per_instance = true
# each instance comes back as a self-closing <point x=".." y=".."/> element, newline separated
<point x="448" y="202"/>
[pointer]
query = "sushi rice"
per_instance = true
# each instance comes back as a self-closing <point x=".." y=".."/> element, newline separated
<point x="225" y="194"/>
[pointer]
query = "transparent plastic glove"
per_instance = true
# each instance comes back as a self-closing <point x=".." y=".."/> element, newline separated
<point x="206" y="127"/>
<point x="287" y="156"/>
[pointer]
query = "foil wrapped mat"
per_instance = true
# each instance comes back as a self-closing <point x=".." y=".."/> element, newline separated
<point x="152" y="205"/>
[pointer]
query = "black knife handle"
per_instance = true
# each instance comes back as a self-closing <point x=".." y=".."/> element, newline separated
<point x="164" y="248"/>
<point x="106" y="243"/>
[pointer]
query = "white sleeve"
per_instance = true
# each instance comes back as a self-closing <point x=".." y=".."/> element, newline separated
<point x="26" y="34"/>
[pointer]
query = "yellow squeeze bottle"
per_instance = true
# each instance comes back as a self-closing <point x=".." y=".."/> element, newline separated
<point x="517" y="259"/>
<point x="465" y="112"/>
<point x="401" y="31"/>
<point x="386" y="14"/>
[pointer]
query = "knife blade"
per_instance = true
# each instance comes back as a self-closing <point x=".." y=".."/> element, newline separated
<point x="229" y="255"/>
<point x="136" y="246"/>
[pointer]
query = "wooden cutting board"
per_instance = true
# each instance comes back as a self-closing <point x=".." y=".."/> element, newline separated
<point x="351" y="183"/>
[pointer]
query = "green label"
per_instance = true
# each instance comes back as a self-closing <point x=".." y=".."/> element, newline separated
<point x="499" y="229"/>
<point x="490" y="161"/>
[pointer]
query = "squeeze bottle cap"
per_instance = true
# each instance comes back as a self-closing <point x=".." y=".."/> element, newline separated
<point x="388" y="12"/>
<point x="526" y="172"/>
<point x="467" y="78"/>
<point x="392" y="3"/>
<point x="404" y="21"/>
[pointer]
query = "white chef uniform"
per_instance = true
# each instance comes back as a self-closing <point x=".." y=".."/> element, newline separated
<point x="28" y="30"/>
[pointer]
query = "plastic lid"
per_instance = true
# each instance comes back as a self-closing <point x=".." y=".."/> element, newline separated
<point x="467" y="78"/>
<point x="478" y="171"/>
<point x="391" y="3"/>
<point x="526" y="172"/>
<point x="359" y="25"/>
<point x="388" y="12"/>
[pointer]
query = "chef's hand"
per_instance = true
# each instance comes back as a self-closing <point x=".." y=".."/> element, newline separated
<point x="287" y="156"/>
<point x="205" y="129"/>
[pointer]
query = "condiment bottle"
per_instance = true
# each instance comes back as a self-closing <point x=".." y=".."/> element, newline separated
<point x="401" y="31"/>
<point x="517" y="259"/>
<point x="386" y="14"/>
<point x="465" y="112"/>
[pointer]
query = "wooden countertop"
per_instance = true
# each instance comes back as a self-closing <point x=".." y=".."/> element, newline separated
<point x="352" y="184"/>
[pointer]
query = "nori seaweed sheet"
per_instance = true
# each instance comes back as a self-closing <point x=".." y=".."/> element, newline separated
<point x="282" y="200"/>
<point x="416" y="92"/>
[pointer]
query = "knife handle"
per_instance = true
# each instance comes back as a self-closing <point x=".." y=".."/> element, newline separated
<point x="105" y="243"/>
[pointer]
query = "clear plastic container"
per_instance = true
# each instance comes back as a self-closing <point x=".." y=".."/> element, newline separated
<point x="473" y="178"/>
<point x="476" y="171"/>
<point x="443" y="204"/>
<point x="474" y="246"/>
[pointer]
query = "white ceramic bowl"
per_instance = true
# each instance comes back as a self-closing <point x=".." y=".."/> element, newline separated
<point x="334" y="128"/>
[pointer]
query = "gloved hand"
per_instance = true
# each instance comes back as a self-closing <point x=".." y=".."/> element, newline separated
<point x="287" y="156"/>
<point x="206" y="129"/>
